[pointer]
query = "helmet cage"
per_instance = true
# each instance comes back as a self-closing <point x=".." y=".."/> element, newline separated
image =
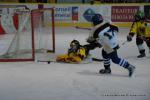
<point x="74" y="45"/>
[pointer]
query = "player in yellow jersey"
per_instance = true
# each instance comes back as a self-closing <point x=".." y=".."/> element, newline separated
<point x="140" y="27"/>
<point x="76" y="53"/>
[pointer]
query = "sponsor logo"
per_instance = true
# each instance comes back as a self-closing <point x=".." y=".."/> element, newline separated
<point x="75" y="13"/>
<point x="88" y="14"/>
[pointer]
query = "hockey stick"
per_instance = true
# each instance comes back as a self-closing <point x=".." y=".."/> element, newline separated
<point x="49" y="61"/>
<point x="84" y="28"/>
<point x="124" y="42"/>
<point x="98" y="60"/>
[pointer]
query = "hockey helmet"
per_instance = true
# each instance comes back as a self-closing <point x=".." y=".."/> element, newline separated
<point x="139" y="16"/>
<point x="75" y="44"/>
<point x="97" y="19"/>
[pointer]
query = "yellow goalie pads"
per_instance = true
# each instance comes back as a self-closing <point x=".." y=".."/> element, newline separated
<point x="73" y="57"/>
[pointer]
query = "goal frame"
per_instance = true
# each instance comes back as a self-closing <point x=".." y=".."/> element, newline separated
<point x="33" y="38"/>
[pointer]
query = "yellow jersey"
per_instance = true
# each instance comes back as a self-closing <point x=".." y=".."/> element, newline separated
<point x="141" y="28"/>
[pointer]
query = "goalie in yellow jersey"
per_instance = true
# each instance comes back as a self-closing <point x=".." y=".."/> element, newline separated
<point x="140" y="28"/>
<point x="76" y="53"/>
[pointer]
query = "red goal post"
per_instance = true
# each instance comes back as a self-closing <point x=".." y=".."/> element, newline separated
<point x="52" y="23"/>
<point x="34" y="37"/>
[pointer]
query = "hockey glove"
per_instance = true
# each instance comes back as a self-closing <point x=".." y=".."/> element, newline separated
<point x="116" y="48"/>
<point x="91" y="40"/>
<point x="129" y="38"/>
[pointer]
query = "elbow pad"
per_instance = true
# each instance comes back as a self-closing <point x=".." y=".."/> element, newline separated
<point x="107" y="35"/>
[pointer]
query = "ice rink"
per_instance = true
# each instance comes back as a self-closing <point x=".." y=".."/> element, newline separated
<point x="57" y="81"/>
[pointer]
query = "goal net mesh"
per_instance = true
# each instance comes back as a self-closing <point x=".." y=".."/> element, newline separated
<point x="31" y="36"/>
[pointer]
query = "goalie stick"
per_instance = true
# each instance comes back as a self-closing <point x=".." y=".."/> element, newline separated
<point x="49" y="61"/>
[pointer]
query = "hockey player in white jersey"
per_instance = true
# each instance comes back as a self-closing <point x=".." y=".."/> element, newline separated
<point x="105" y="34"/>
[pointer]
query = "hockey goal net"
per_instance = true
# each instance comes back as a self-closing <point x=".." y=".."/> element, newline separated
<point x="26" y="34"/>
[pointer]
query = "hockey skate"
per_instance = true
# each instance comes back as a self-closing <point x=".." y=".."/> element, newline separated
<point x="131" y="70"/>
<point x="141" y="55"/>
<point x="105" y="71"/>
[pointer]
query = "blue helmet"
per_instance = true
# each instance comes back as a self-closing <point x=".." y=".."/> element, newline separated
<point x="97" y="19"/>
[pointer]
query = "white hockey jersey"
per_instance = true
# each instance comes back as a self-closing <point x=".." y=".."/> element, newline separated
<point x="108" y="43"/>
<point x="106" y="35"/>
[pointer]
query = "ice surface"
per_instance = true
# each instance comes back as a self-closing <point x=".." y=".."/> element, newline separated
<point x="57" y="81"/>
